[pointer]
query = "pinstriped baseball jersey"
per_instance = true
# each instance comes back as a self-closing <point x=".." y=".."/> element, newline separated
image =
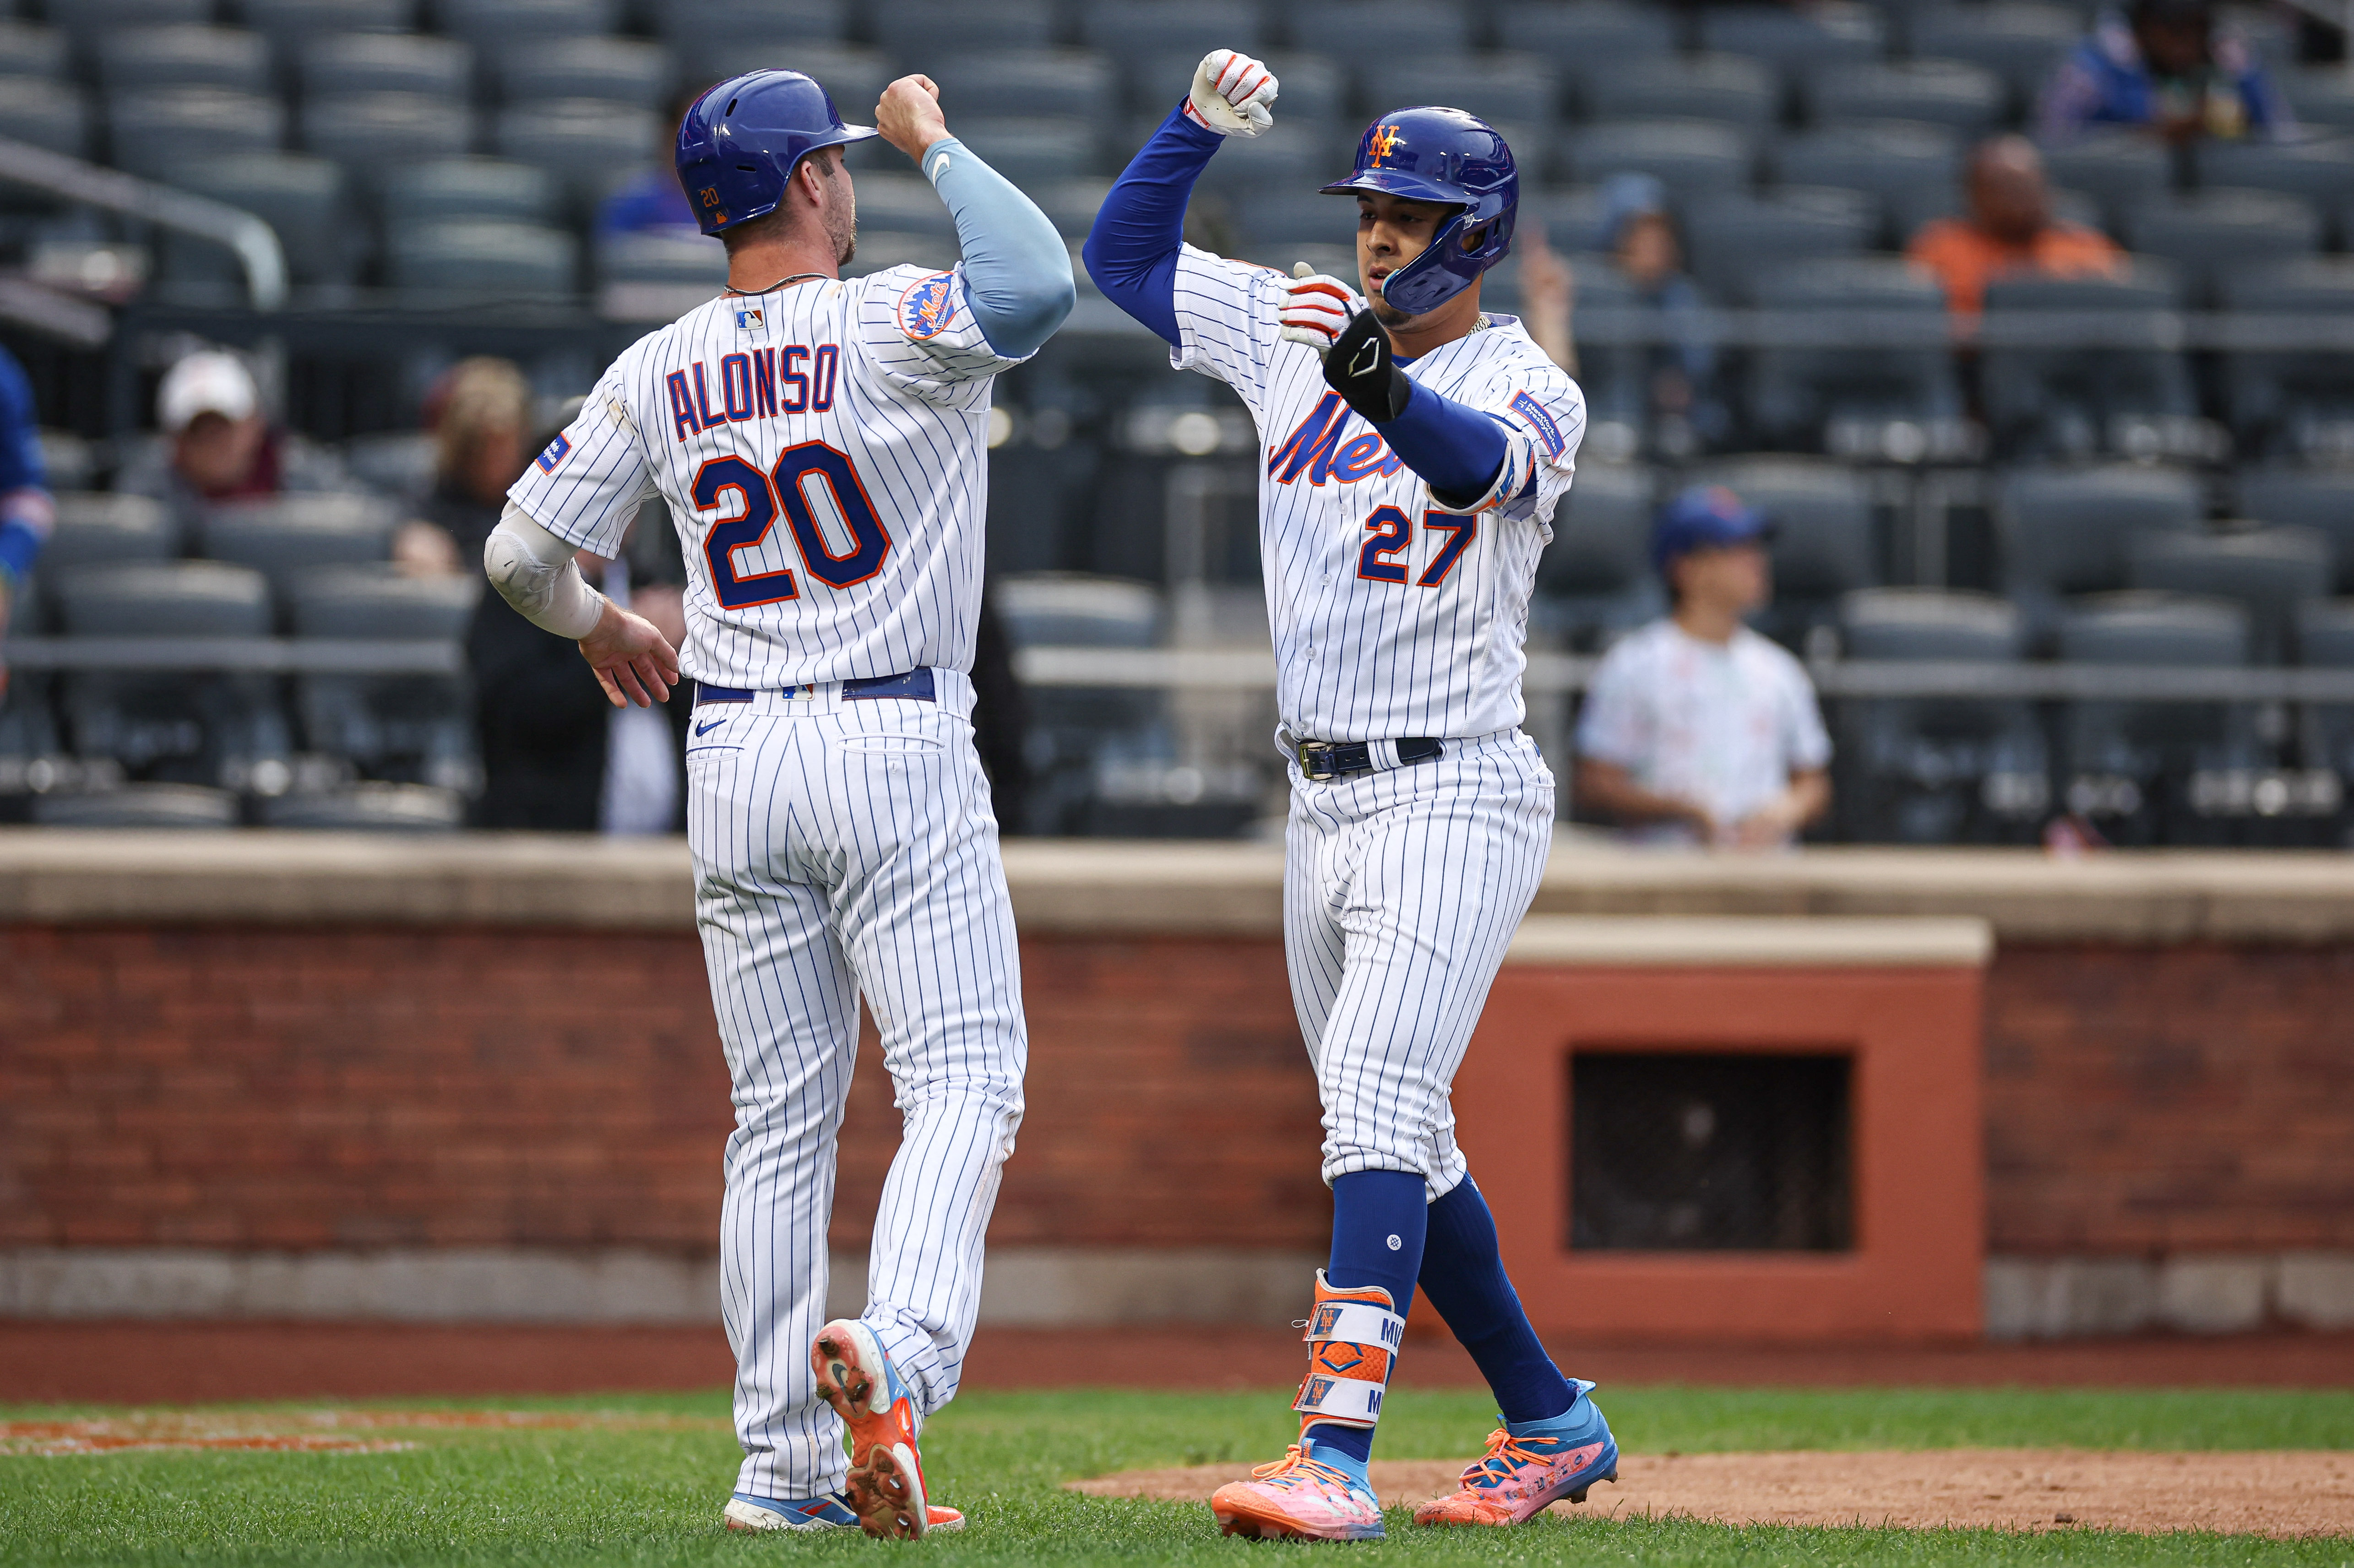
<point x="823" y="451"/>
<point x="1392" y="614"/>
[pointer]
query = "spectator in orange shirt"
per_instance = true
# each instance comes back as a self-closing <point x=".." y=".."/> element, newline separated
<point x="2010" y="231"/>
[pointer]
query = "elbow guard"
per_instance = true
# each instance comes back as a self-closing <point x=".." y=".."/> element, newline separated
<point x="534" y="571"/>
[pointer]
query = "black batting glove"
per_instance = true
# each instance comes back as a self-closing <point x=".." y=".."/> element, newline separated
<point x="1360" y="367"/>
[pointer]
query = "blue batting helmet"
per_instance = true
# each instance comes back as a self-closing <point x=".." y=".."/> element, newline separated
<point x="739" y="144"/>
<point x="1440" y="156"/>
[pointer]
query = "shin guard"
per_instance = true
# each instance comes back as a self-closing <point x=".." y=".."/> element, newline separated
<point x="1352" y="1339"/>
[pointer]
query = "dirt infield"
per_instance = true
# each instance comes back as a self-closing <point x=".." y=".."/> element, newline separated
<point x="176" y="1363"/>
<point x="2280" y="1494"/>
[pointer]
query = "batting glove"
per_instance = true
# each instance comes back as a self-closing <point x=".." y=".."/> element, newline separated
<point x="1316" y="308"/>
<point x="1232" y="94"/>
<point x="1360" y="368"/>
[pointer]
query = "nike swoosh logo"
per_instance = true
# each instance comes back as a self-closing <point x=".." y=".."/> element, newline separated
<point x="707" y="728"/>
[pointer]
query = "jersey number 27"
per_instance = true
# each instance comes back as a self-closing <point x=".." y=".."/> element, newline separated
<point x="787" y="488"/>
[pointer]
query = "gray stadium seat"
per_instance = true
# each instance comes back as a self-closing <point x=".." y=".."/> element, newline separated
<point x="393" y="463"/>
<point x="1032" y="149"/>
<point x="413" y="728"/>
<point x="1688" y="156"/>
<point x="2321" y="499"/>
<point x="290" y="24"/>
<point x="2067" y="531"/>
<point x="2128" y="765"/>
<point x="52" y="115"/>
<point x="1274" y="217"/>
<point x="1733" y="237"/>
<point x="583" y="142"/>
<point x="1011" y="84"/>
<point x="485" y="255"/>
<point x="688" y="262"/>
<point x="918" y="30"/>
<point x="618" y="70"/>
<point x="1073" y="730"/>
<point x="445" y="189"/>
<point x="339" y="64"/>
<point x="182" y="808"/>
<point x="1938" y="770"/>
<point x="1289" y="165"/>
<point x="1594" y="38"/>
<point x="86" y="21"/>
<point x="1899" y="404"/>
<point x="1573" y="218"/>
<point x="2288" y="403"/>
<point x="289" y="534"/>
<point x="26" y="49"/>
<point x="300" y="196"/>
<point x="2021" y="43"/>
<point x="375" y="134"/>
<point x="495" y="25"/>
<point x="2318" y="95"/>
<point x="141" y="58"/>
<point x="1133" y="32"/>
<point x="1966" y="99"/>
<point x="1792" y="39"/>
<point x="1823" y="545"/>
<point x="2119" y="171"/>
<point x="1913" y="169"/>
<point x="1367" y="32"/>
<point x="1595" y="579"/>
<point x="369" y="808"/>
<point x="1725" y="88"/>
<point x="880" y="249"/>
<point x="94" y="529"/>
<point x="2324" y="640"/>
<point x="2268" y="572"/>
<point x="903" y="202"/>
<point x="2321" y="170"/>
<point x="1499" y="89"/>
<point x="155" y="133"/>
<point x="2207" y="232"/>
<point x="1072" y="205"/>
<point x="776" y="21"/>
<point x="71" y="461"/>
<point x="2126" y="397"/>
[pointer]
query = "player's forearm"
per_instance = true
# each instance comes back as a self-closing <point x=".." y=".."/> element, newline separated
<point x="534" y="571"/>
<point x="1456" y="449"/>
<point x="1017" y="273"/>
<point x="1131" y="252"/>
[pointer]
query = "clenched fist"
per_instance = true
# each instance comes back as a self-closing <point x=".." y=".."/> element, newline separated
<point x="1232" y="94"/>
<point x="909" y="116"/>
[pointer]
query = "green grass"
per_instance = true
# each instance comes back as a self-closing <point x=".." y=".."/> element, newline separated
<point x="567" y="1497"/>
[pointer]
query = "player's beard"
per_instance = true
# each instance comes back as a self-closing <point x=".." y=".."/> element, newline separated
<point x="841" y="218"/>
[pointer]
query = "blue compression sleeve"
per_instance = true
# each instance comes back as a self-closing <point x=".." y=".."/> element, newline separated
<point x="1132" y="252"/>
<point x="1017" y="272"/>
<point x="1453" y="445"/>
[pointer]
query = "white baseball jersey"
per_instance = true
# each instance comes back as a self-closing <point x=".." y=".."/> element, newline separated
<point x="824" y="449"/>
<point x="1394" y="614"/>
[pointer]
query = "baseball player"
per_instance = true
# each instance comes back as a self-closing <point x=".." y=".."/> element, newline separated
<point x="1414" y="450"/>
<point x="821" y="445"/>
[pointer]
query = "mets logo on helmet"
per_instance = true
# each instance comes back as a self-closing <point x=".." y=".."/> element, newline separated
<point x="1381" y="143"/>
<point x="928" y="305"/>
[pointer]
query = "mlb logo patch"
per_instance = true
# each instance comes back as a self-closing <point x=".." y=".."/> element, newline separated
<point x="558" y="449"/>
<point x="928" y="305"/>
<point x="748" y="318"/>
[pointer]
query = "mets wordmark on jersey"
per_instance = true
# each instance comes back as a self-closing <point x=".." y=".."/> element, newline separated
<point x="823" y="451"/>
<point x="1392" y="614"/>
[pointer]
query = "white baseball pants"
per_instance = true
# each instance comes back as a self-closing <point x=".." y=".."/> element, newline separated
<point x="1401" y="889"/>
<point x="845" y="846"/>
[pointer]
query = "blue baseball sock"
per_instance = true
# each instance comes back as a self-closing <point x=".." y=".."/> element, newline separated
<point x="1377" y="1229"/>
<point x="1464" y="1281"/>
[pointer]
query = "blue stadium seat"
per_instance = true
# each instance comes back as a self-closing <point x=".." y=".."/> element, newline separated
<point x="774" y="23"/>
<point x="442" y="189"/>
<point x="1688" y="156"/>
<point x="485" y="255"/>
<point x="155" y="133"/>
<point x="1500" y="89"/>
<point x="2321" y="499"/>
<point x="1133" y="32"/>
<point x="2268" y="572"/>
<point x="2131" y="396"/>
<point x="1725" y="88"/>
<point x="617" y="70"/>
<point x="142" y="58"/>
<point x="336" y="65"/>
<point x="303" y="199"/>
<point x="1734" y="237"/>
<point x="411" y="729"/>
<point x="922" y="31"/>
<point x="1792" y="39"/>
<point x="2067" y="531"/>
<point x="1824" y="544"/>
<point x="1880" y="404"/>
<point x="2289" y="403"/>
<point x="2209" y="233"/>
<point x="492" y="25"/>
<point x="2021" y="42"/>
<point x="55" y="115"/>
<point x="1368" y="32"/>
<point x="1014" y="84"/>
<point x="1967" y="99"/>
<point x="584" y="142"/>
<point x="1594" y="580"/>
<point x="26" y="49"/>
<point x="375" y="134"/>
<point x="1913" y="170"/>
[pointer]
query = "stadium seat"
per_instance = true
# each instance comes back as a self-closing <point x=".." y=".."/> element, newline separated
<point x="2128" y="765"/>
<point x="183" y="808"/>
<point x="412" y="728"/>
<point x="485" y="255"/>
<point x="1792" y="39"/>
<point x="1368" y="32"/>
<point x="922" y="30"/>
<point x="2290" y="403"/>
<point x="1500" y="89"/>
<point x="1012" y="84"/>
<point x="369" y="808"/>
<point x="1938" y="770"/>
<point x="155" y="133"/>
<point x="1594" y="580"/>
<point x="2318" y="95"/>
<point x="1724" y="88"/>
<point x="1879" y="404"/>
<point x="375" y="134"/>
<point x="1274" y="217"/>
<point x="2120" y="172"/>
<point x="94" y="529"/>
<point x="300" y="196"/>
<point x="290" y="23"/>
<point x="1135" y="31"/>
<point x="1076" y="730"/>
<point x="903" y="202"/>
<point x="2268" y="572"/>
<point x="1573" y="218"/>
<point x="2068" y="530"/>
<point x="1733" y="237"/>
<point x="2206" y="232"/>
<point x="2132" y="396"/>
<point x="287" y="535"/>
<point x="399" y="463"/>
<point x="2324" y="640"/>
<point x="492" y="26"/>
<point x="2020" y="42"/>
<point x="617" y="70"/>
<point x="2321" y="170"/>
<point x="1033" y="148"/>
<point x="1278" y="166"/>
<point x="186" y="727"/>
<point x="661" y="276"/>
<point x="28" y="50"/>
<point x="771" y="21"/>
<point x="2320" y="499"/>
<point x="444" y="189"/>
<point x="1315" y="93"/>
<point x="880" y="249"/>
<point x="143" y="59"/>
<point x="584" y="142"/>
<point x="337" y="65"/>
<point x="52" y="115"/>
<point x="1913" y="169"/>
<point x="1966" y="99"/>
<point x="1594" y="37"/>
<point x="1823" y="545"/>
<point x="1071" y="204"/>
<point x="88" y="21"/>
<point x="1688" y="156"/>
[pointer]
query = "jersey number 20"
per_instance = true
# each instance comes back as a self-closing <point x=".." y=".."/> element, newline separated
<point x="786" y="488"/>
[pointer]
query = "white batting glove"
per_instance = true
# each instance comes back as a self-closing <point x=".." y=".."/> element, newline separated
<point x="1232" y="94"/>
<point x="1316" y="308"/>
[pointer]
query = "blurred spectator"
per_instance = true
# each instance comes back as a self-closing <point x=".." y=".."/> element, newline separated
<point x="651" y="200"/>
<point x="26" y="514"/>
<point x="2009" y="229"/>
<point x="217" y="446"/>
<point x="480" y="415"/>
<point x="1696" y="729"/>
<point x="1548" y="297"/>
<point x="2165" y="66"/>
<point x="1681" y="373"/>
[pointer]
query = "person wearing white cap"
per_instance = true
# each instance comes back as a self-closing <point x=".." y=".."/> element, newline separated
<point x="217" y="445"/>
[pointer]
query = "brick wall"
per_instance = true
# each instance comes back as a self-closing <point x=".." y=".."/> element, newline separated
<point x="342" y="1087"/>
